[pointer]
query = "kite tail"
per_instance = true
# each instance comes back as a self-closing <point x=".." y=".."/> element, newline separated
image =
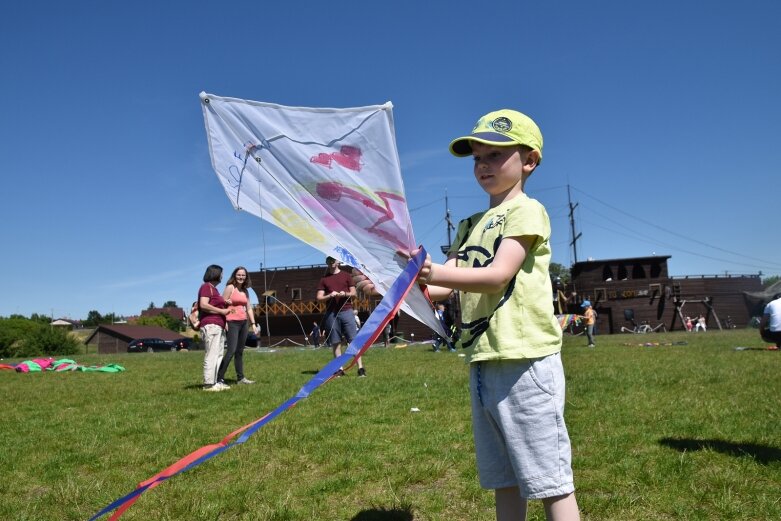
<point x="371" y="330"/>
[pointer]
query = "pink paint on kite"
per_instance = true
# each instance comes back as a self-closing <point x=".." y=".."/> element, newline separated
<point x="348" y="157"/>
<point x="334" y="191"/>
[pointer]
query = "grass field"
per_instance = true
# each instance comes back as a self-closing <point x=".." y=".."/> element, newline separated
<point x="663" y="432"/>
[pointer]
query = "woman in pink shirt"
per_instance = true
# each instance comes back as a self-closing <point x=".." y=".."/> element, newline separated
<point x="237" y="293"/>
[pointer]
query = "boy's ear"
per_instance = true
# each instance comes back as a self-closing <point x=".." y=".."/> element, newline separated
<point x="531" y="160"/>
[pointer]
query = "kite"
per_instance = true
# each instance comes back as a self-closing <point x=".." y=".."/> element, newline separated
<point x="568" y="319"/>
<point x="329" y="177"/>
<point x="38" y="365"/>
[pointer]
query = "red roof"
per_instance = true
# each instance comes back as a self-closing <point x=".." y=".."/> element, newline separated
<point x="129" y="333"/>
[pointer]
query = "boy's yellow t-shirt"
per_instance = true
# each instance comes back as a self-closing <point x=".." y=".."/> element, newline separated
<point x="517" y="322"/>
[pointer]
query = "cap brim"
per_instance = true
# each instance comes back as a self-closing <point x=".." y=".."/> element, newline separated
<point x="461" y="147"/>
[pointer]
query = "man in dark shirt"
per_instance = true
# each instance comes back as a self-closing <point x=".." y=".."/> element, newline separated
<point x="336" y="289"/>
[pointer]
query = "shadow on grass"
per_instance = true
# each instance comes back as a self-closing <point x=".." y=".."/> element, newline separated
<point x="763" y="454"/>
<point x="382" y="514"/>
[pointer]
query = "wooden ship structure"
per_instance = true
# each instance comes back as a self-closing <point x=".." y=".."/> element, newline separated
<point x="637" y="294"/>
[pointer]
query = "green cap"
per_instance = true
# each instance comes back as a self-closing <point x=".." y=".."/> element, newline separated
<point x="501" y="128"/>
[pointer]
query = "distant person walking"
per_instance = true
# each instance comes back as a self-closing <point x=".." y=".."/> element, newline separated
<point x="314" y="336"/>
<point x="213" y="310"/>
<point x="770" y="324"/>
<point x="386" y="334"/>
<point x="240" y="319"/>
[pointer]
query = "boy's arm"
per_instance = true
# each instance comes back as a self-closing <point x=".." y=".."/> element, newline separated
<point x="362" y="283"/>
<point x="489" y="279"/>
<point x="440" y="292"/>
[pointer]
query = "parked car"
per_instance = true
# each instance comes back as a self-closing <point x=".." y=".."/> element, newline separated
<point x="150" y="345"/>
<point x="184" y="343"/>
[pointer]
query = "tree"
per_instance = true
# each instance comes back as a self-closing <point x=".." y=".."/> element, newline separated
<point x="13" y="331"/>
<point x="48" y="341"/>
<point x="170" y="304"/>
<point x="151" y="305"/>
<point x="93" y="319"/>
<point x="163" y="320"/>
<point x="769" y="281"/>
<point x="558" y="270"/>
<point x="41" y="319"/>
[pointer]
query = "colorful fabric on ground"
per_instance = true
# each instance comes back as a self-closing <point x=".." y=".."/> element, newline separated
<point x="373" y="327"/>
<point x="38" y="365"/>
<point x="329" y="177"/>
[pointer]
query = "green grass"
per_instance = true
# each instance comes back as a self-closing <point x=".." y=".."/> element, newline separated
<point x="659" y="433"/>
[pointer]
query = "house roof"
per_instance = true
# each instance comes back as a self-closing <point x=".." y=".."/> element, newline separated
<point x="129" y="333"/>
<point x="61" y="322"/>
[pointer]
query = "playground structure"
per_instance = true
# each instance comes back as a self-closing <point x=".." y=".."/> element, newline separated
<point x="643" y="327"/>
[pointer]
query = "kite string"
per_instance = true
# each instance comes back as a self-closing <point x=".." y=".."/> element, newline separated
<point x="263" y="255"/>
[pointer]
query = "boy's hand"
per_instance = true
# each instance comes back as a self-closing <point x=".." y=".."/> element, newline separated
<point x="424" y="277"/>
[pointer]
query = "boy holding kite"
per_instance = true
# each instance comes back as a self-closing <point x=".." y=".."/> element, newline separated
<point x="499" y="263"/>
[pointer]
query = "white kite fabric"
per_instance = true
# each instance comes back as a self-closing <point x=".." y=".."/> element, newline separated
<point x="329" y="177"/>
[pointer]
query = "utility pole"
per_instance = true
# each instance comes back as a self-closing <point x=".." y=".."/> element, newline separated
<point x="450" y="226"/>
<point x="572" y="225"/>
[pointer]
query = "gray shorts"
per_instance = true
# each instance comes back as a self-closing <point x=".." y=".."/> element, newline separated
<point x="518" y="423"/>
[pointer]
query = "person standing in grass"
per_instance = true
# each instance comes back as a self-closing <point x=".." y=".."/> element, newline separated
<point x="441" y="315"/>
<point x="591" y="318"/>
<point x="770" y="324"/>
<point x="336" y="289"/>
<point x="700" y="324"/>
<point x="499" y="263"/>
<point x="240" y="319"/>
<point x="315" y="335"/>
<point x="213" y="310"/>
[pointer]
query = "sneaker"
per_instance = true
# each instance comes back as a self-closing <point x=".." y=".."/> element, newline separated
<point x="222" y="386"/>
<point x="339" y="373"/>
<point x="212" y="388"/>
<point x="362" y="372"/>
<point x="245" y="381"/>
<point x="591" y="345"/>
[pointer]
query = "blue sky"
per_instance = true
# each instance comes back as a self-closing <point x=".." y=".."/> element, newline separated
<point x="663" y="117"/>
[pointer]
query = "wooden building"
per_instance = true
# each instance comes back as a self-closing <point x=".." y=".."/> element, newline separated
<point x="288" y="308"/>
<point x="642" y="288"/>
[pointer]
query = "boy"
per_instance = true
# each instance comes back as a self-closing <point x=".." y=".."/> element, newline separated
<point x="499" y="262"/>
<point x="591" y="319"/>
